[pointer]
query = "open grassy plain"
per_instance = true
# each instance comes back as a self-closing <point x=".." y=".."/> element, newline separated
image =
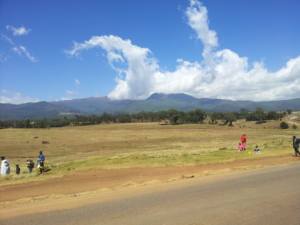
<point x="111" y="146"/>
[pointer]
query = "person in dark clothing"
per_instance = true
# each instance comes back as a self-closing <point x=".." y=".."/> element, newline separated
<point x="296" y="146"/>
<point x="18" y="170"/>
<point x="42" y="157"/>
<point x="31" y="165"/>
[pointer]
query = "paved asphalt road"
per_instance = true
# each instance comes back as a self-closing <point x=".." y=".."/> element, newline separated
<point x="266" y="196"/>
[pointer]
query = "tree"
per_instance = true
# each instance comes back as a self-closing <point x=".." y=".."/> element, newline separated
<point x="214" y="116"/>
<point x="191" y="117"/>
<point x="260" y="113"/>
<point x="201" y="115"/>
<point x="272" y="115"/>
<point x="27" y="123"/>
<point x="229" y="118"/>
<point x="284" y="125"/>
<point x="163" y="115"/>
<point x="173" y="115"/>
<point x="243" y="113"/>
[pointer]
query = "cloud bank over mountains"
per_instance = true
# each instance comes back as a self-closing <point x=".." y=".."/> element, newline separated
<point x="221" y="74"/>
<point x="15" y="97"/>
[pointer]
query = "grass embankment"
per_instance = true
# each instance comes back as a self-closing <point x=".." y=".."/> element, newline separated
<point x="137" y="145"/>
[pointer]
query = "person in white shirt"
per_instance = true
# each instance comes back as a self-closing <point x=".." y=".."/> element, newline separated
<point x="5" y="169"/>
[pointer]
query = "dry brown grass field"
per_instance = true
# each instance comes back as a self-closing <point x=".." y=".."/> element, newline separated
<point x="109" y="146"/>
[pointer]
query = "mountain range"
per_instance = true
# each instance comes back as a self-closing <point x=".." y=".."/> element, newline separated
<point x="156" y="102"/>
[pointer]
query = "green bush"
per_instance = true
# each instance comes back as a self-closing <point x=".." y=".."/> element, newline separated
<point x="283" y="125"/>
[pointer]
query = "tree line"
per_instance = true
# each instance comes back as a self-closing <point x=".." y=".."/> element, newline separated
<point x="171" y="116"/>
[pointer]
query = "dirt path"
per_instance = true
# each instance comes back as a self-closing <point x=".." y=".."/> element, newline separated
<point x="94" y="180"/>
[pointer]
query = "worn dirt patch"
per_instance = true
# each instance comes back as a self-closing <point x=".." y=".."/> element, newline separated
<point x="88" y="181"/>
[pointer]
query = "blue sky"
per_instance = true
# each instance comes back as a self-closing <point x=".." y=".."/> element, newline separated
<point x="129" y="49"/>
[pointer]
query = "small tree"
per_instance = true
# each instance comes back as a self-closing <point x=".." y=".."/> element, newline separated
<point x="283" y="125"/>
<point x="213" y="117"/>
<point x="229" y="118"/>
<point x="295" y="126"/>
<point x="201" y="115"/>
<point x="173" y="115"/>
<point x="260" y="113"/>
<point x="27" y="123"/>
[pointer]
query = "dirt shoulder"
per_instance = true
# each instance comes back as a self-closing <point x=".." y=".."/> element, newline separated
<point x="89" y="187"/>
<point x="114" y="179"/>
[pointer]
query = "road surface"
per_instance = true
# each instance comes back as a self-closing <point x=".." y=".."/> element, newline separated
<point x="265" y="196"/>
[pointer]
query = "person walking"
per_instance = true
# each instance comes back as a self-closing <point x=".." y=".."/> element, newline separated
<point x="243" y="140"/>
<point x="5" y="168"/>
<point x="296" y="146"/>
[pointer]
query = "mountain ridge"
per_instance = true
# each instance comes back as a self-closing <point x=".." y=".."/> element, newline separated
<point x="155" y="102"/>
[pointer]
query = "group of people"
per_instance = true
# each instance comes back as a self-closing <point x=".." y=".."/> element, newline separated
<point x="242" y="145"/>
<point x="5" y="167"/>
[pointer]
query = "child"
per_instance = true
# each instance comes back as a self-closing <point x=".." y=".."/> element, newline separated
<point x="41" y="167"/>
<point x="240" y="147"/>
<point x="256" y="150"/>
<point x="38" y="161"/>
<point x="18" y="169"/>
<point x="31" y="165"/>
<point x="28" y="165"/>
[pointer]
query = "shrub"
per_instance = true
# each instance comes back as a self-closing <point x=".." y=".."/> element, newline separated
<point x="259" y="122"/>
<point x="283" y="125"/>
<point x="295" y="126"/>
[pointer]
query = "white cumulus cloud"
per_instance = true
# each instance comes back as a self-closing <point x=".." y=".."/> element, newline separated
<point x="15" y="97"/>
<point x="18" y="31"/>
<point x="221" y="74"/>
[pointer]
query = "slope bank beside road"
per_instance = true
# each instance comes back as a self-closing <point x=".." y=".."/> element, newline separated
<point x="263" y="196"/>
<point x="77" y="189"/>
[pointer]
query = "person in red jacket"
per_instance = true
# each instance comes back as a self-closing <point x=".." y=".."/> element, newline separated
<point x="243" y="140"/>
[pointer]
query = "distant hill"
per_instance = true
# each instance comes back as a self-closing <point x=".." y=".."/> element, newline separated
<point x="182" y="102"/>
<point x="156" y="102"/>
<point x="34" y="111"/>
